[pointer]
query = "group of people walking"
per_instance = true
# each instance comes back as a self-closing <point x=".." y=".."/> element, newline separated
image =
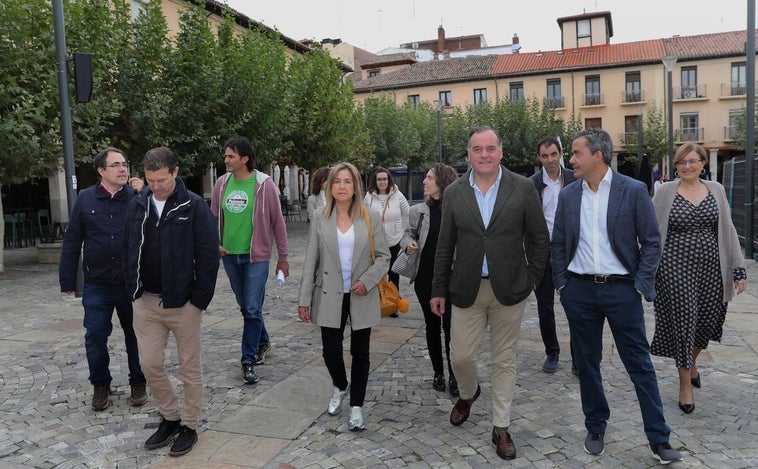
<point x="484" y="241"/>
<point x="152" y="253"/>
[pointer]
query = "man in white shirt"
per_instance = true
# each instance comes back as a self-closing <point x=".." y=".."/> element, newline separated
<point x="605" y="249"/>
<point x="549" y="181"/>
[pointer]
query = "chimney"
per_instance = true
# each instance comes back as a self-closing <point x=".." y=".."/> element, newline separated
<point x="515" y="38"/>
<point x="440" y="39"/>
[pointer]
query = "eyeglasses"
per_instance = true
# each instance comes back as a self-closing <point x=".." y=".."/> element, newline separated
<point x="687" y="162"/>
<point x="118" y="165"/>
<point x="381" y="179"/>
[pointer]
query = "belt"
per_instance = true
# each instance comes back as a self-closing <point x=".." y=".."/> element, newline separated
<point x="603" y="278"/>
<point x="485" y="277"/>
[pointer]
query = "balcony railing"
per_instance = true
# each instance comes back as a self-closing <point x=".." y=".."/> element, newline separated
<point x="594" y="99"/>
<point x="554" y="102"/>
<point x="689" y="134"/>
<point x="633" y="96"/>
<point x="735" y="89"/>
<point x="690" y="92"/>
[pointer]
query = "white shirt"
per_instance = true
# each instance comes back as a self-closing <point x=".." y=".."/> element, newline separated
<point x="346" y="243"/>
<point x="550" y="198"/>
<point x="593" y="253"/>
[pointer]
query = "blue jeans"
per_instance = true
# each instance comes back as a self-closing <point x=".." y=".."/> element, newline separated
<point x="248" y="280"/>
<point x="99" y="302"/>
<point x="588" y="305"/>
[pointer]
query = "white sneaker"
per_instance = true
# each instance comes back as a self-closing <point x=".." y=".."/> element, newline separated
<point x="335" y="403"/>
<point x="356" y="420"/>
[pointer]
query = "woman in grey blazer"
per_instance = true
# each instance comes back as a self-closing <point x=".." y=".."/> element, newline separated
<point x="339" y="280"/>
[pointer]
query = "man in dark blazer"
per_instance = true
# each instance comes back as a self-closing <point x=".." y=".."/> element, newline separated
<point x="605" y="249"/>
<point x="481" y="265"/>
<point x="549" y="181"/>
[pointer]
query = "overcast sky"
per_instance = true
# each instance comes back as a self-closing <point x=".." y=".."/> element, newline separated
<point x="378" y="24"/>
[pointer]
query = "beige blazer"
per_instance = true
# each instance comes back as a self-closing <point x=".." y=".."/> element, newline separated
<point x="321" y="287"/>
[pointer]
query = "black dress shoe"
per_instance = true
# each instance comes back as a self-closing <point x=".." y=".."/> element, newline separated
<point x="687" y="408"/>
<point x="452" y="387"/>
<point x="438" y="383"/>
<point x="462" y="408"/>
<point x="696" y="381"/>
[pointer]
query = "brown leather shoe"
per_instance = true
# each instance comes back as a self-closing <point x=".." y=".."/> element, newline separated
<point x="504" y="446"/>
<point x="462" y="408"/>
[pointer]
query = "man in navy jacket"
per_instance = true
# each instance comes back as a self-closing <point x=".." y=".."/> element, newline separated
<point x="171" y="268"/>
<point x="604" y="252"/>
<point x="97" y="221"/>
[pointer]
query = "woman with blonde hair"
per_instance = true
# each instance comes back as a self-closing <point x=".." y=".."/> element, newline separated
<point x="339" y="281"/>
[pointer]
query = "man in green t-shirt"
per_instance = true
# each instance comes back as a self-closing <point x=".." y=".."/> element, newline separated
<point x="246" y="205"/>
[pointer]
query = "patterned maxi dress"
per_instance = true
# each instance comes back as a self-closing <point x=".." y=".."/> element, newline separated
<point x="689" y="307"/>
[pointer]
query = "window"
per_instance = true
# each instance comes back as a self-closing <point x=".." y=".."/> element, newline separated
<point x="446" y="98"/>
<point x="480" y="95"/>
<point x="414" y="100"/>
<point x="690" y="132"/>
<point x="592" y="90"/>
<point x="373" y="73"/>
<point x="583" y="28"/>
<point x="632" y="88"/>
<point x="631" y="130"/>
<point x="738" y="79"/>
<point x="689" y="82"/>
<point x="517" y="91"/>
<point x="594" y="123"/>
<point x="554" y="97"/>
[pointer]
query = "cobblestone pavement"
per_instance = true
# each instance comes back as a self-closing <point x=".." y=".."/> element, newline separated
<point x="46" y="420"/>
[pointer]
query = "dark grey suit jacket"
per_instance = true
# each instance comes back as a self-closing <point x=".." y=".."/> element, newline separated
<point x="632" y="231"/>
<point x="463" y="241"/>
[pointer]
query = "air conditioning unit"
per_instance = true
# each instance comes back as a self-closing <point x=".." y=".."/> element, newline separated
<point x="689" y="93"/>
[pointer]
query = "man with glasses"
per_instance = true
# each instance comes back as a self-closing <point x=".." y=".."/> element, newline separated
<point x="97" y="222"/>
<point x="488" y="214"/>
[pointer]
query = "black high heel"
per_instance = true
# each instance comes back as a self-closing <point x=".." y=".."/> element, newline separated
<point x="687" y="408"/>
<point x="696" y="381"/>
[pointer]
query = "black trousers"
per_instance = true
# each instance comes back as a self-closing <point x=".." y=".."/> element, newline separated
<point x="435" y="326"/>
<point x="360" y="340"/>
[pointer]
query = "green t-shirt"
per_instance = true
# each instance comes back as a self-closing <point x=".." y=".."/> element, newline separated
<point x="238" y="204"/>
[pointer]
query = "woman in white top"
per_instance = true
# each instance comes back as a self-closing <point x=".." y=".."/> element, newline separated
<point x="317" y="199"/>
<point x="385" y="197"/>
<point x="339" y="281"/>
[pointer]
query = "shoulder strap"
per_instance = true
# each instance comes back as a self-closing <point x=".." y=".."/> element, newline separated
<point x="386" y="204"/>
<point x="370" y="229"/>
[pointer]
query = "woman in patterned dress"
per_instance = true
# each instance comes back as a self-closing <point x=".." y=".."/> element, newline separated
<point x="701" y="268"/>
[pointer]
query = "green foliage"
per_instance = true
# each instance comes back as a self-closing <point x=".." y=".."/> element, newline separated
<point x="28" y="92"/>
<point x="324" y="127"/>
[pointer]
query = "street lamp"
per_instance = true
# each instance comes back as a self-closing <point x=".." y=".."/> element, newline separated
<point x="438" y="108"/>
<point x="669" y="61"/>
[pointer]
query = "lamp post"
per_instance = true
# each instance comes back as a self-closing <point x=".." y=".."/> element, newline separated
<point x="669" y="61"/>
<point x="438" y="108"/>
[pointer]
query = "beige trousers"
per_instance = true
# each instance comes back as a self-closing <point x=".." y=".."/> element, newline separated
<point x="467" y="327"/>
<point x="152" y="324"/>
